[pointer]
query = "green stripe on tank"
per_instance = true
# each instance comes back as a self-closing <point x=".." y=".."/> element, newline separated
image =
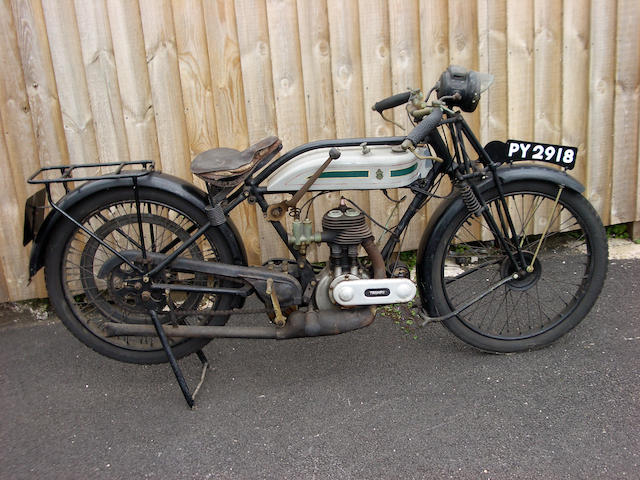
<point x="404" y="171"/>
<point x="345" y="174"/>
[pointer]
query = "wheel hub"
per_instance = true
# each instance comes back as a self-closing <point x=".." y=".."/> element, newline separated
<point x="525" y="279"/>
<point x="131" y="293"/>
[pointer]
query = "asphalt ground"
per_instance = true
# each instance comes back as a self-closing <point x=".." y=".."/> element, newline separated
<point x="375" y="403"/>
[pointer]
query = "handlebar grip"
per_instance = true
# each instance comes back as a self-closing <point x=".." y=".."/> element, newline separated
<point x="428" y="123"/>
<point x="392" y="101"/>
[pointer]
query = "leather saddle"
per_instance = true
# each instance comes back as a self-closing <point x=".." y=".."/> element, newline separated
<point x="226" y="167"/>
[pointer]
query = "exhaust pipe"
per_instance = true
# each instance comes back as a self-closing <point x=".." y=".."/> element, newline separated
<point x="299" y="324"/>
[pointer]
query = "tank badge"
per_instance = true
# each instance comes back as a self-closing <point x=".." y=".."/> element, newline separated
<point x="379" y="174"/>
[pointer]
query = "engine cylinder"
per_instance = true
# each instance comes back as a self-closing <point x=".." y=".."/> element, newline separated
<point x="350" y="225"/>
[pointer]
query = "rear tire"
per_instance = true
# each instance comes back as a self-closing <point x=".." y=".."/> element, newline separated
<point x="539" y="307"/>
<point x="88" y="285"/>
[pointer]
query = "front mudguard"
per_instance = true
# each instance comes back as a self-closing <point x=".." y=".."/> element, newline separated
<point x="450" y="208"/>
<point x="155" y="180"/>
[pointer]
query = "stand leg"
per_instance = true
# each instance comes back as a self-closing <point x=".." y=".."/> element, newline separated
<point x="172" y="360"/>
<point x="205" y="364"/>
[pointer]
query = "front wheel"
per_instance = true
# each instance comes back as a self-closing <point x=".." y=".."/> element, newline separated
<point x="565" y="278"/>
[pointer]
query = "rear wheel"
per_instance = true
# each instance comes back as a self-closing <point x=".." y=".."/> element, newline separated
<point x="541" y="305"/>
<point x="89" y="285"/>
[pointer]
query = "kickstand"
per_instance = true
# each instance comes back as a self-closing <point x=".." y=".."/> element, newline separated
<point x="188" y="396"/>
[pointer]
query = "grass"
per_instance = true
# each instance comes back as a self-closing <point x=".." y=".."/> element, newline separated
<point x="620" y="230"/>
<point x="404" y="317"/>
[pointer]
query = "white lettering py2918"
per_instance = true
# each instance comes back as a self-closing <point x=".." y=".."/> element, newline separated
<point x="561" y="155"/>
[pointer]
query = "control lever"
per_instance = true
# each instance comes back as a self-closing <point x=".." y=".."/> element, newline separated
<point x="276" y="211"/>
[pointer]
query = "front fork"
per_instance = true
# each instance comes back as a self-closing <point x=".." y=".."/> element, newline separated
<point x="477" y="206"/>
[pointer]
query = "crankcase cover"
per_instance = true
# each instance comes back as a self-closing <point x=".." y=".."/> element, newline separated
<point x="383" y="291"/>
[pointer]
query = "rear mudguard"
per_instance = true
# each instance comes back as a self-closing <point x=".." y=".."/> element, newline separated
<point x="448" y="210"/>
<point x="156" y="180"/>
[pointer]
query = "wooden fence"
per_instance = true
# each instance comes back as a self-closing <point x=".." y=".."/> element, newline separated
<point x="103" y="80"/>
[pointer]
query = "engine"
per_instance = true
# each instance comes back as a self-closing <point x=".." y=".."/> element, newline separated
<point x="345" y="281"/>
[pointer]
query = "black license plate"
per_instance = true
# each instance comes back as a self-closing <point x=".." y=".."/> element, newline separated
<point x="560" y="155"/>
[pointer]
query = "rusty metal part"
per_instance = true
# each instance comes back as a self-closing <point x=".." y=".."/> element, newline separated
<point x="299" y="324"/>
<point x="377" y="262"/>
<point x="276" y="211"/>
<point x="271" y="291"/>
<point x="189" y="331"/>
<point x="326" y="322"/>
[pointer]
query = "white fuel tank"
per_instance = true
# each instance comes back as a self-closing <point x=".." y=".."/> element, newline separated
<point x="358" y="168"/>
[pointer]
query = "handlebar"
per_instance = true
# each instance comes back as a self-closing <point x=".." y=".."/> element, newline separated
<point x="420" y="131"/>
<point x="391" y="102"/>
<point x="424" y="128"/>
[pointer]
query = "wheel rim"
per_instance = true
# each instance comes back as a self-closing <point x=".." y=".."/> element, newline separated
<point x="95" y="300"/>
<point x="536" y="302"/>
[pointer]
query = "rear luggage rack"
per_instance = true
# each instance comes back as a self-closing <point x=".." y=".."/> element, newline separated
<point x="66" y="172"/>
<point x="63" y="174"/>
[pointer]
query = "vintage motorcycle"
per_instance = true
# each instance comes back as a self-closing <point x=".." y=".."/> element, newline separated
<point x="144" y="267"/>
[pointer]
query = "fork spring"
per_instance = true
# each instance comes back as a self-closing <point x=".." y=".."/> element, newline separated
<point x="469" y="198"/>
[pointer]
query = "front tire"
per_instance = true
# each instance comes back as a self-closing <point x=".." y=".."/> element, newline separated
<point x="88" y="285"/>
<point x="538" y="307"/>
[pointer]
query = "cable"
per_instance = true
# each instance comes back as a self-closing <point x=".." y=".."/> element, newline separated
<point x="310" y="202"/>
<point x="369" y="216"/>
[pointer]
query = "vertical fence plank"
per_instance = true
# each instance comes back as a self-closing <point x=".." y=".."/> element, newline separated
<point x="71" y="84"/>
<point x="627" y="99"/>
<point x="376" y="83"/>
<point x="40" y="82"/>
<point x="255" y="56"/>
<point x="376" y="64"/>
<point x="133" y="80"/>
<point x="346" y="69"/>
<point x="520" y="68"/>
<point x="601" y="93"/>
<point x="21" y="158"/>
<point x="492" y="57"/>
<point x="102" y="80"/>
<point x="547" y="43"/>
<point x="13" y="265"/>
<point x="406" y="61"/>
<point x="195" y="79"/>
<point x="288" y="85"/>
<point x="434" y="45"/>
<point x="575" y="81"/>
<point x="229" y="100"/>
<point x="463" y="34"/>
<point x="313" y="32"/>
<point x="404" y="28"/>
<point x="5" y="295"/>
<point x="166" y="91"/>
<point x="286" y="70"/>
